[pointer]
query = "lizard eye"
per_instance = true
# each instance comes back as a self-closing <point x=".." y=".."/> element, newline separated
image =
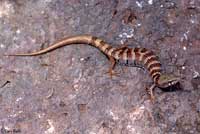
<point x="172" y="86"/>
<point x="170" y="83"/>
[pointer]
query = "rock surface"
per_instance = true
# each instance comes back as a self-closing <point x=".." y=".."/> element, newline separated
<point x="67" y="91"/>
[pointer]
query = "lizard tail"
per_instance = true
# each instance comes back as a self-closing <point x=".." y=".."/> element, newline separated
<point x="82" y="39"/>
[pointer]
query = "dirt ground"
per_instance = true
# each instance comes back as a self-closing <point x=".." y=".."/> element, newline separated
<point x="67" y="91"/>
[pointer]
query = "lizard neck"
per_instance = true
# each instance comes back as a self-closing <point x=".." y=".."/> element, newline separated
<point x="156" y="78"/>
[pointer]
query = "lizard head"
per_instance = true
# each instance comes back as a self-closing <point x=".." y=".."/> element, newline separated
<point x="167" y="80"/>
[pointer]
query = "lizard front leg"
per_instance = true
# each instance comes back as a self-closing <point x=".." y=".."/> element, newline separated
<point x="150" y="92"/>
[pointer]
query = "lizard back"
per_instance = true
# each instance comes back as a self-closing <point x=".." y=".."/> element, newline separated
<point x="141" y="57"/>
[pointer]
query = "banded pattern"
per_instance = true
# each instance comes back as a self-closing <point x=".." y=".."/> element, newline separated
<point x="141" y="55"/>
<point x="147" y="57"/>
<point x="102" y="45"/>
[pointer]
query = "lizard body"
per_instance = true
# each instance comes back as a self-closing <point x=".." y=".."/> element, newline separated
<point x="126" y="55"/>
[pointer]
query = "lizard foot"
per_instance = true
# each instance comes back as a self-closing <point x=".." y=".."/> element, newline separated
<point x="112" y="73"/>
<point x="150" y="93"/>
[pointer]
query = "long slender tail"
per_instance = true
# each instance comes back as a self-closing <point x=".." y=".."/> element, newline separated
<point x="82" y="39"/>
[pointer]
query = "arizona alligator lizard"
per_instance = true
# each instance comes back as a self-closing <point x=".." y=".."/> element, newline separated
<point x="127" y="55"/>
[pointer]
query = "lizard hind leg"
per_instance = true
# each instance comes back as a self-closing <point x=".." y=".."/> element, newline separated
<point x="111" y="71"/>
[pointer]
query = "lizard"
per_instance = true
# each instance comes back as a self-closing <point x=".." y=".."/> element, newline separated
<point x="127" y="55"/>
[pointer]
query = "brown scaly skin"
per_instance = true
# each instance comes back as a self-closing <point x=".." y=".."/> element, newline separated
<point x="126" y="55"/>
